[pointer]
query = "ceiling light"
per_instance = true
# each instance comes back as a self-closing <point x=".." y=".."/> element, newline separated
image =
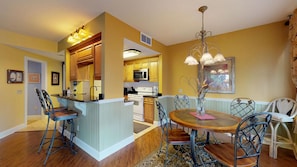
<point x="82" y="32"/>
<point x="71" y="39"/>
<point x="201" y="50"/>
<point x="131" y="53"/>
<point x="79" y="35"/>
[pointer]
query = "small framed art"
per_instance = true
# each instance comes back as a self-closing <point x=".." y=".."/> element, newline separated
<point x="55" y="78"/>
<point x="15" y="76"/>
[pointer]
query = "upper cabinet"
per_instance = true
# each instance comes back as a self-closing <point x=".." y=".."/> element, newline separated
<point x="128" y="71"/>
<point x="84" y="54"/>
<point x="153" y="69"/>
<point x="97" y="61"/>
<point x="150" y="63"/>
<point x="73" y="66"/>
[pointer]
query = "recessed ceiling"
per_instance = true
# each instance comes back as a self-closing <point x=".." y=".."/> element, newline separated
<point x="167" y="21"/>
<point x="145" y="51"/>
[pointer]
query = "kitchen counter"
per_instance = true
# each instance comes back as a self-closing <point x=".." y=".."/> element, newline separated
<point x="78" y="97"/>
<point x="97" y="119"/>
<point x="155" y="96"/>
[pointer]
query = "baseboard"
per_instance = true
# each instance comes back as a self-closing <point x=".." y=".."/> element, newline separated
<point x="11" y="130"/>
<point x="99" y="155"/>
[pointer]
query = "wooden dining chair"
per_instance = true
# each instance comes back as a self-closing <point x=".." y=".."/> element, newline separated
<point x="171" y="136"/>
<point x="56" y="116"/>
<point x="242" y="107"/>
<point x="246" y="149"/>
<point x="283" y="111"/>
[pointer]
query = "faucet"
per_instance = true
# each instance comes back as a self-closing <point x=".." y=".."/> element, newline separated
<point x="91" y="89"/>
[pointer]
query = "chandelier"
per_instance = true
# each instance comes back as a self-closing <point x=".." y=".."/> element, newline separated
<point x="201" y="50"/>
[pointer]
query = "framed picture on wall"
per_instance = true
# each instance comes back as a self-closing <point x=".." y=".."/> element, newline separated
<point x="15" y="76"/>
<point x="55" y="78"/>
<point x="33" y="78"/>
<point x="220" y="77"/>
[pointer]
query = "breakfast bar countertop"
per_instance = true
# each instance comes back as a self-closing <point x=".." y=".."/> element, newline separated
<point x="78" y="97"/>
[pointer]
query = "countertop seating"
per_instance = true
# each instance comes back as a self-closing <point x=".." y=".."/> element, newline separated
<point x="175" y="137"/>
<point x="242" y="107"/>
<point x="246" y="149"/>
<point x="283" y="111"/>
<point x="56" y="116"/>
<point x="45" y="107"/>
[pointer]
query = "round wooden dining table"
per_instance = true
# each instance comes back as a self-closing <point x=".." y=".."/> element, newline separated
<point x="212" y="121"/>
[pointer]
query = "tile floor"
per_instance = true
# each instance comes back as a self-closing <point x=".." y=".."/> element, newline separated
<point x="37" y="124"/>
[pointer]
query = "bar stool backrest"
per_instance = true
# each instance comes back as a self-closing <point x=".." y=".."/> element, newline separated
<point x="48" y="102"/>
<point x="42" y="101"/>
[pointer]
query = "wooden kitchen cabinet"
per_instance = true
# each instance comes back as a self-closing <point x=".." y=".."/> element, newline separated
<point x="128" y="72"/>
<point x="140" y="64"/>
<point x="79" y="71"/>
<point x="97" y="61"/>
<point x="73" y="67"/>
<point x="153" y="70"/>
<point x="84" y="54"/>
<point x="149" y="109"/>
<point x="149" y="63"/>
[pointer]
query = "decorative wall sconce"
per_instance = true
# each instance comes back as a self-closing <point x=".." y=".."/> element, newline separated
<point x="78" y="35"/>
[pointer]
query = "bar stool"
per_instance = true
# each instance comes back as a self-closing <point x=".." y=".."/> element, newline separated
<point x="45" y="107"/>
<point x="65" y="116"/>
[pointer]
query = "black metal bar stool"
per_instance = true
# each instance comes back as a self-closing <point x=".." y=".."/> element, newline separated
<point x="45" y="107"/>
<point x="56" y="116"/>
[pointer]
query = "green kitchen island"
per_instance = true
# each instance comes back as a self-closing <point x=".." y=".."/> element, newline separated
<point x="103" y="126"/>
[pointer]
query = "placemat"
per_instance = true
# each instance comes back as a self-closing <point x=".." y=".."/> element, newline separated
<point x="202" y="117"/>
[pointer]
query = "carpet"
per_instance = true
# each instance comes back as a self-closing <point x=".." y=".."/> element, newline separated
<point x="138" y="127"/>
<point x="181" y="158"/>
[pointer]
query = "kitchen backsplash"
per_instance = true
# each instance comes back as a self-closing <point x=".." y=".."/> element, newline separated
<point x="83" y="87"/>
<point x="140" y="84"/>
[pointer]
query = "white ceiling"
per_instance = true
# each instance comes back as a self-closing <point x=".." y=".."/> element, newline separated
<point x="167" y="21"/>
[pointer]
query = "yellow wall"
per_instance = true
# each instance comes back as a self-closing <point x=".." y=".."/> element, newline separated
<point x="113" y="33"/>
<point x="262" y="63"/>
<point x="15" y="39"/>
<point x="13" y="103"/>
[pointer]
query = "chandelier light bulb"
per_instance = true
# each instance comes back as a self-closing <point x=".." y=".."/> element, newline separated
<point x="219" y="58"/>
<point x="190" y="60"/>
<point x="206" y="57"/>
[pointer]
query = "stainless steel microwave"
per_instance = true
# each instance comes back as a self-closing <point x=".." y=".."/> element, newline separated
<point x="141" y="74"/>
